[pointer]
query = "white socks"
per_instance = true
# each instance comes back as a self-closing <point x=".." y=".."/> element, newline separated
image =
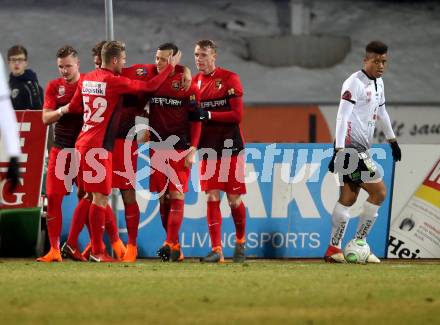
<point x="367" y="218"/>
<point x="340" y="217"/>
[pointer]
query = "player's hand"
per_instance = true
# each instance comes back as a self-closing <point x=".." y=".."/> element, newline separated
<point x="397" y="153"/>
<point x="199" y="114"/>
<point x="190" y="157"/>
<point x="331" y="164"/>
<point x="175" y="59"/>
<point x="186" y="79"/>
<point x="63" y="110"/>
<point x="13" y="174"/>
<point x="338" y="154"/>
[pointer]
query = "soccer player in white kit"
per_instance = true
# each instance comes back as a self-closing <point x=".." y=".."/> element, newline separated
<point x="362" y="104"/>
<point x="9" y="130"/>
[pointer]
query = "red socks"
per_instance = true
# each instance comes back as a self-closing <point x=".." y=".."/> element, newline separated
<point x="214" y="223"/>
<point x="132" y="221"/>
<point x="175" y="218"/>
<point x="110" y="224"/>
<point x="97" y="216"/>
<point x="239" y="216"/>
<point x="80" y="217"/>
<point x="54" y="219"/>
<point x="164" y="212"/>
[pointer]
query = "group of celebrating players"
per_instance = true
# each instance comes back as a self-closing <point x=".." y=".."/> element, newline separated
<point x="95" y="114"/>
<point x="95" y="118"/>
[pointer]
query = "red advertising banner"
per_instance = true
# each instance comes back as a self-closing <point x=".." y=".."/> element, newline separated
<point x="33" y="134"/>
<point x="433" y="179"/>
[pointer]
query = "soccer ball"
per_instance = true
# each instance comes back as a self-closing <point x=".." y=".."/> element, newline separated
<point x="356" y="251"/>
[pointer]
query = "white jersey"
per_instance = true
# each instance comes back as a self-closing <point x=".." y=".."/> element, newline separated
<point x="362" y="103"/>
<point x="8" y="120"/>
<point x="4" y="87"/>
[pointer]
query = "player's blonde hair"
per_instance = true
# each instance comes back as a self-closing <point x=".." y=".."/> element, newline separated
<point x="111" y="50"/>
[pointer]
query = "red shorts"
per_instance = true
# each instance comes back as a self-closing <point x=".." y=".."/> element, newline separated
<point x="225" y="174"/>
<point x="168" y="174"/>
<point x="127" y="180"/>
<point x="95" y="170"/>
<point x="59" y="180"/>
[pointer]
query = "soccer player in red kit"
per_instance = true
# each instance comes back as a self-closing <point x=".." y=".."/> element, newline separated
<point x="100" y="92"/>
<point x="80" y="218"/>
<point x="221" y="110"/>
<point x="80" y="215"/>
<point x="59" y="92"/>
<point x="169" y="119"/>
<point x="133" y="105"/>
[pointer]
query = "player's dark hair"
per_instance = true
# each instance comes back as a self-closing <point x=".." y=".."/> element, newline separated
<point x="206" y="43"/>
<point x="111" y="49"/>
<point x="96" y="50"/>
<point x="17" y="50"/>
<point x="65" y="51"/>
<point x="168" y="47"/>
<point x="376" y="47"/>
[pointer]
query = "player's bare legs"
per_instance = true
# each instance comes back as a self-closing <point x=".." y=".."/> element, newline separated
<point x="376" y="192"/>
<point x="238" y="211"/>
<point x="132" y="215"/>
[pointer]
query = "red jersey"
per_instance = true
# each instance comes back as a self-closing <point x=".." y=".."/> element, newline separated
<point x="134" y="105"/>
<point x="67" y="128"/>
<point x="221" y="93"/>
<point x="169" y="108"/>
<point x="100" y="92"/>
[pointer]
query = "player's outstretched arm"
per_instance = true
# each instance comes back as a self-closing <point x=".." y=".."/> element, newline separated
<point x="51" y="116"/>
<point x="75" y="105"/>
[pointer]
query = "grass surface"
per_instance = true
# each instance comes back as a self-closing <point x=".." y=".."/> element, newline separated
<point x="257" y="292"/>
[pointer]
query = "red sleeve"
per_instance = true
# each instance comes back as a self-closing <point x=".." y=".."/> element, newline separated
<point x="124" y="85"/>
<point x="196" y="130"/>
<point x="235" y="115"/>
<point x="50" y="96"/>
<point x="194" y="102"/>
<point x="234" y="94"/>
<point x="179" y="69"/>
<point x="75" y="105"/>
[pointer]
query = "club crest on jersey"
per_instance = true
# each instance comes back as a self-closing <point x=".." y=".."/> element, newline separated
<point x="346" y="95"/>
<point x="141" y="72"/>
<point x="61" y="91"/>
<point x="218" y="83"/>
<point x="175" y="85"/>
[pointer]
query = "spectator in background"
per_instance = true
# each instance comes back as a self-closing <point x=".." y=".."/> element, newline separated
<point x="26" y="93"/>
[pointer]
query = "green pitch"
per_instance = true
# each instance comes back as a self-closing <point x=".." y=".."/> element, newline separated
<point x="257" y="292"/>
